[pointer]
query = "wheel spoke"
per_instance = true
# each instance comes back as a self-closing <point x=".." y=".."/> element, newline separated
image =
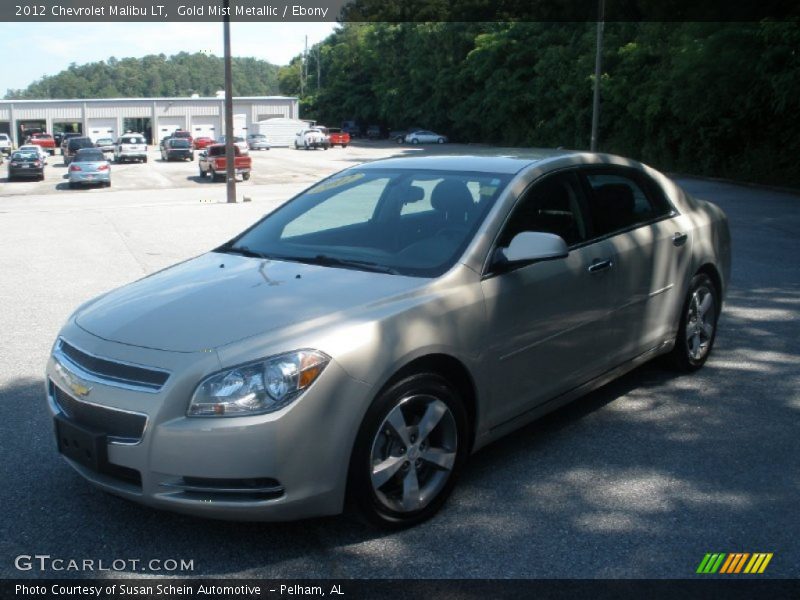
<point x="433" y="414"/>
<point x="411" y="497"/>
<point x="439" y="457"/>
<point x="689" y="331"/>
<point x="694" y="345"/>
<point x="705" y="305"/>
<point x="708" y="329"/>
<point x="384" y="470"/>
<point x="398" y="423"/>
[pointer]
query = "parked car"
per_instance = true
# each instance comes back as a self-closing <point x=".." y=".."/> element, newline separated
<point x="238" y="141"/>
<point x="212" y="162"/>
<point x="425" y="137"/>
<point x="73" y="145"/>
<point x="202" y="142"/>
<point x="177" y="149"/>
<point x="131" y="146"/>
<point x="66" y="136"/>
<point x="89" y="166"/>
<point x="374" y="132"/>
<point x="257" y="141"/>
<point x="399" y="135"/>
<point x="183" y="135"/>
<point x="44" y="141"/>
<point x="6" y="145"/>
<point x="351" y="128"/>
<point x="104" y="144"/>
<point x="41" y="152"/>
<point x="360" y="356"/>
<point x="337" y="137"/>
<point x="311" y="138"/>
<point x="25" y="164"/>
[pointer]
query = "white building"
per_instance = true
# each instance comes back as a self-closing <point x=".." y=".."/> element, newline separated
<point x="155" y="117"/>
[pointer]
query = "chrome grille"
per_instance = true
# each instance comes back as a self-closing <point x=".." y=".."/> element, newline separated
<point x="111" y="372"/>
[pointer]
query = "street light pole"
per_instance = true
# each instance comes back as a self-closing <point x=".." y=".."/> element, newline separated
<point x="597" y="73"/>
<point x="230" y="167"/>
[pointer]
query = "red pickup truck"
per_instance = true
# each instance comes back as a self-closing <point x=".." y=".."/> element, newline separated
<point x="44" y="141"/>
<point x="338" y="137"/>
<point x="212" y="161"/>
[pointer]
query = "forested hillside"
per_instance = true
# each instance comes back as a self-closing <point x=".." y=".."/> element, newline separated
<point x="705" y="98"/>
<point x="155" y="75"/>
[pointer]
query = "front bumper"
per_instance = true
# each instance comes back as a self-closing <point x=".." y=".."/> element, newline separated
<point x="287" y="465"/>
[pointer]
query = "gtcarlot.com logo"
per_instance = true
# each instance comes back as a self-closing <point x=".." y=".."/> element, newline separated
<point x="734" y="563"/>
<point x="46" y="563"/>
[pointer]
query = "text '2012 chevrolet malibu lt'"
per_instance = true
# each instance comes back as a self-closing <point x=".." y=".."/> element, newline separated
<point x="355" y="345"/>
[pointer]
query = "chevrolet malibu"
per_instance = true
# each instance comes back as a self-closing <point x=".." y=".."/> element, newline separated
<point x="356" y="345"/>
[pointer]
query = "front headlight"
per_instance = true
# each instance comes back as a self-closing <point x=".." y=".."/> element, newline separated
<point x="259" y="387"/>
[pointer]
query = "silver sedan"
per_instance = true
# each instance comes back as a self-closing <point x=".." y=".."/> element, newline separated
<point x="362" y="340"/>
<point x="89" y="166"/>
<point x="425" y="137"/>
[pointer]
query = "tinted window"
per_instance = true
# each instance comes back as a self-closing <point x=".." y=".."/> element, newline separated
<point x="619" y="201"/>
<point x="179" y="143"/>
<point x="76" y="143"/>
<point x="89" y="155"/>
<point x="550" y="206"/>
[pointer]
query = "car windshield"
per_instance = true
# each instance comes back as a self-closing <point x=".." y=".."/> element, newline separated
<point x="399" y="221"/>
<point x="25" y="155"/>
<point x="177" y="143"/>
<point x="89" y="156"/>
<point x="105" y="141"/>
<point x="181" y="134"/>
<point x="258" y="136"/>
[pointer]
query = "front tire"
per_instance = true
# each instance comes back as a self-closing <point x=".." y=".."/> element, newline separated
<point x="409" y="450"/>
<point x="697" y="329"/>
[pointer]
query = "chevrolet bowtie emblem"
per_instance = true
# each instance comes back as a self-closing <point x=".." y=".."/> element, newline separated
<point x="72" y="381"/>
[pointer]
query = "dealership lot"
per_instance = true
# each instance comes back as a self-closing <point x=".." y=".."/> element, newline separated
<point x="639" y="479"/>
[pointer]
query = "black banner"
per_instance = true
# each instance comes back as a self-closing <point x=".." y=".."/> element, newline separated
<point x="467" y="589"/>
<point x="393" y="10"/>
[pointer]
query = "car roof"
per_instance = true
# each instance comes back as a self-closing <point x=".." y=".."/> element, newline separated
<point x="509" y="161"/>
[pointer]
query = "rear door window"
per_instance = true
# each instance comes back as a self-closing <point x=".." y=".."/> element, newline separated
<point x="620" y="200"/>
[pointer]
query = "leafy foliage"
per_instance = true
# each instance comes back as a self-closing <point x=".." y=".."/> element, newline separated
<point x="703" y="98"/>
<point x="155" y="76"/>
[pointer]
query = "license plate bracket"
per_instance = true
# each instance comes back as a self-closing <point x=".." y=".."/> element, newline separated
<point x="85" y="446"/>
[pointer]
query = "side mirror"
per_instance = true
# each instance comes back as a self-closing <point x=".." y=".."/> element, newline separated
<point x="531" y="246"/>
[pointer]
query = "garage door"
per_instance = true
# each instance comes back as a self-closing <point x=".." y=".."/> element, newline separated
<point x="102" y="128"/>
<point x="240" y="125"/>
<point x="206" y="128"/>
<point x="167" y="125"/>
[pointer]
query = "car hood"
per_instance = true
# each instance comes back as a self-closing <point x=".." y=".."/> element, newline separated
<point x="216" y="299"/>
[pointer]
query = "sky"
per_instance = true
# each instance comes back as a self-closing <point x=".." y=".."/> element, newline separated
<point x="51" y="47"/>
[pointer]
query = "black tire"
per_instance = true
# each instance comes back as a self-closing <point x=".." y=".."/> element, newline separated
<point x="440" y="141"/>
<point x="344" y="145"/>
<point x="691" y="353"/>
<point x="144" y="159"/>
<point x="373" y="504"/>
<point x="72" y="185"/>
<point x="414" y="141"/>
<point x="245" y="176"/>
<point x="202" y="173"/>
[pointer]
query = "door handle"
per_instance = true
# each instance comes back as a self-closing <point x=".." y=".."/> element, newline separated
<point x="679" y="239"/>
<point x="600" y="265"/>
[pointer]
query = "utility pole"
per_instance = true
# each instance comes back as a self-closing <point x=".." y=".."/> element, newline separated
<point x="597" y="74"/>
<point x="230" y="167"/>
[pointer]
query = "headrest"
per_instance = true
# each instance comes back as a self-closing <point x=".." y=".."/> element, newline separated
<point x="452" y="197"/>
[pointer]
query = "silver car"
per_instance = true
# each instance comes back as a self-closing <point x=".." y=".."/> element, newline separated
<point x="257" y="141"/>
<point x="89" y="166"/>
<point x="424" y="136"/>
<point x="362" y="340"/>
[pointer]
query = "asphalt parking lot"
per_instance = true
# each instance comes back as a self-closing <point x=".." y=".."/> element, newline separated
<point x="639" y="479"/>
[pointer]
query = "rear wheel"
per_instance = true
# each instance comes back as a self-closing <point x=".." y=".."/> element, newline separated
<point x="698" y="325"/>
<point x="415" y="141"/>
<point x="409" y="451"/>
<point x="245" y="176"/>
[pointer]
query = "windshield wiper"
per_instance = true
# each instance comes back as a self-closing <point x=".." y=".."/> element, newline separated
<point x="243" y="250"/>
<point x="332" y="261"/>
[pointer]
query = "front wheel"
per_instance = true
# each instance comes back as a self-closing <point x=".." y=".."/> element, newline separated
<point x="245" y="176"/>
<point x="698" y="325"/>
<point x="415" y="141"/>
<point x="408" y="452"/>
<point x="440" y="141"/>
